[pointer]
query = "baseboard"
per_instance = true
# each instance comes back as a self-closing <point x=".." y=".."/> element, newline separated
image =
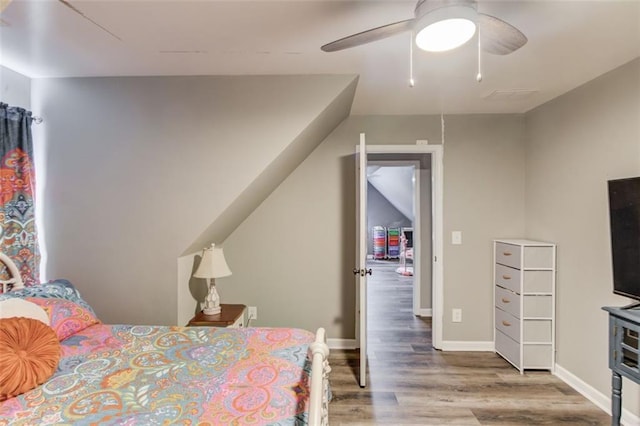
<point x="341" y="343"/>
<point x="601" y="400"/>
<point x="452" y="345"/>
<point x="425" y="312"/>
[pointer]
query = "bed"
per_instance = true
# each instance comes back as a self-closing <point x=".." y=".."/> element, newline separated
<point x="142" y="375"/>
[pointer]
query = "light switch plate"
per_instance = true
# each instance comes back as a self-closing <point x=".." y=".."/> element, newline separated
<point x="456" y="237"/>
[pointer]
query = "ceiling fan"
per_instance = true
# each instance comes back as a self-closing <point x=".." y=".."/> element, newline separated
<point x="441" y="25"/>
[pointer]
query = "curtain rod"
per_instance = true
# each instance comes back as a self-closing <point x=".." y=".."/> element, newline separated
<point x="37" y="119"/>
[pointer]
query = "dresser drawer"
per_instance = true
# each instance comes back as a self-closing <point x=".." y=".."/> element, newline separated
<point x="537" y="356"/>
<point x="537" y="282"/>
<point x="508" y="277"/>
<point x="508" y="348"/>
<point x="537" y="331"/>
<point x="537" y="307"/>
<point x="240" y="322"/>
<point x="508" y="254"/>
<point x="508" y="324"/>
<point x="508" y="301"/>
<point x="538" y="257"/>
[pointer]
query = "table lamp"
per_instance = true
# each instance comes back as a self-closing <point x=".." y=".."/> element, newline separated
<point x="212" y="266"/>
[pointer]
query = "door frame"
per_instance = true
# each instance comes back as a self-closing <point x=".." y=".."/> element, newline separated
<point x="437" y="217"/>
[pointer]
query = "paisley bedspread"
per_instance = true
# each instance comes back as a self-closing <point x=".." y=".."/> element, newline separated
<point x="147" y="375"/>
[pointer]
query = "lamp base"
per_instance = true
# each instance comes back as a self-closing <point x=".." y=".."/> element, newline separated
<point x="211" y="311"/>
<point x="212" y="301"/>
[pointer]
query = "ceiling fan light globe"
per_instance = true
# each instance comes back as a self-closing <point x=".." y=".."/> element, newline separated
<point x="446" y="34"/>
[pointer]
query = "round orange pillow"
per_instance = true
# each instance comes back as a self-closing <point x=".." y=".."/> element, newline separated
<point x="29" y="355"/>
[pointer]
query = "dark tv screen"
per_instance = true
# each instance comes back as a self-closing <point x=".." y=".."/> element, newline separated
<point x="624" y="216"/>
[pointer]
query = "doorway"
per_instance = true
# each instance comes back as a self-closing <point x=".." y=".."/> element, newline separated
<point x="400" y="252"/>
<point x="430" y="157"/>
<point x="393" y="220"/>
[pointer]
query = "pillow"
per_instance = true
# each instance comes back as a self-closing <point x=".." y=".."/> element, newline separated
<point x="66" y="317"/>
<point x="60" y="289"/>
<point x="22" y="308"/>
<point x="29" y="355"/>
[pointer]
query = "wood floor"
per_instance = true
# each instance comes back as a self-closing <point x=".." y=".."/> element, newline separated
<point x="410" y="383"/>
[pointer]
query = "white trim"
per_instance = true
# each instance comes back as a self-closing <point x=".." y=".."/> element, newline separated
<point x="425" y="312"/>
<point x="601" y="400"/>
<point x="417" y="245"/>
<point x="437" y="218"/>
<point x="454" y="345"/>
<point x="341" y="343"/>
<point x="362" y="257"/>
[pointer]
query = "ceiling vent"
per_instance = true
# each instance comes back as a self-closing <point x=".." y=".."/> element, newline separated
<point x="511" y="94"/>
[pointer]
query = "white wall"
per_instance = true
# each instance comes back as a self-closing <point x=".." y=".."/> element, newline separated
<point x="137" y="168"/>
<point x="297" y="248"/>
<point x="576" y="143"/>
<point x="15" y="88"/>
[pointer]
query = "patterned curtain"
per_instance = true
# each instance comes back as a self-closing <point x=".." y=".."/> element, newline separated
<point x="18" y="238"/>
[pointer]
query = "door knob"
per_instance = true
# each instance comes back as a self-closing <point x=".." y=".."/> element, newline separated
<point x="368" y="272"/>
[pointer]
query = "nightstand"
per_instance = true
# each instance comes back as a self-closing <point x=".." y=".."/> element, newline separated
<point x="232" y="316"/>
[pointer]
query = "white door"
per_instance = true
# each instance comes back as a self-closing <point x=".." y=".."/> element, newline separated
<point x="360" y="270"/>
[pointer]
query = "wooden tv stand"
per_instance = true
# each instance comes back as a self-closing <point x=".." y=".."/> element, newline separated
<point x="624" y="327"/>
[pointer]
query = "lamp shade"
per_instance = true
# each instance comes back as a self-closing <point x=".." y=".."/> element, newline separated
<point x="446" y="28"/>
<point x="213" y="264"/>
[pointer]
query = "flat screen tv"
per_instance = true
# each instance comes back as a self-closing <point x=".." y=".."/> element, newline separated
<point x="624" y="217"/>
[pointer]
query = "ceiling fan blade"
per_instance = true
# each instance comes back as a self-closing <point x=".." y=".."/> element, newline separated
<point x="368" y="36"/>
<point x="499" y="37"/>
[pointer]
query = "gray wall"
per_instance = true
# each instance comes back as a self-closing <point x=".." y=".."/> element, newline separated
<point x="576" y="143"/>
<point x="380" y="212"/>
<point x="138" y="167"/>
<point x="293" y="256"/>
<point x="15" y="88"/>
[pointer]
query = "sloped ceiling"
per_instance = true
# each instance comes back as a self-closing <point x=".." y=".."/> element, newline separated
<point x="395" y="183"/>
<point x="265" y="182"/>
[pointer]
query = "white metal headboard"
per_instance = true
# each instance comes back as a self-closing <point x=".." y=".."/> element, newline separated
<point x="15" y="282"/>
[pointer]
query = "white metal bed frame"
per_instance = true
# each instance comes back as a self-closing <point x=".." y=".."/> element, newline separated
<point x="15" y="281"/>
<point x="320" y="369"/>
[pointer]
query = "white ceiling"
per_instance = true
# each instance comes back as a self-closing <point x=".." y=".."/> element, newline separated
<point x="570" y="43"/>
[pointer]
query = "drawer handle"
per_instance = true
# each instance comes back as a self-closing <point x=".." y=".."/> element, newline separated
<point x="506" y="323"/>
<point x="505" y="300"/>
<point x="506" y="253"/>
<point x="506" y="277"/>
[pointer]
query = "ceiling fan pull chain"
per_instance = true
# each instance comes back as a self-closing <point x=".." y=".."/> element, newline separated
<point x="412" y="82"/>
<point x="479" y="75"/>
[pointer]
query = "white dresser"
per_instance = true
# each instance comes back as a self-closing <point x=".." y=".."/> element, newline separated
<point x="524" y="292"/>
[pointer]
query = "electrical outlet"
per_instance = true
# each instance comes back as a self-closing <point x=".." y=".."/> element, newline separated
<point x="456" y="315"/>
<point x="253" y="312"/>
